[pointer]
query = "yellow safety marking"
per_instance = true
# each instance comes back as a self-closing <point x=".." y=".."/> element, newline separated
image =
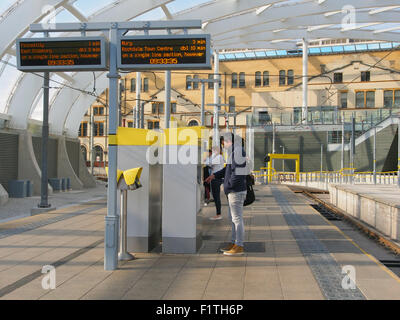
<point x="383" y="267"/>
<point x="137" y="137"/>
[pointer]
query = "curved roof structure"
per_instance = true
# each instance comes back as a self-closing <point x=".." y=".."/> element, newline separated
<point x="233" y="25"/>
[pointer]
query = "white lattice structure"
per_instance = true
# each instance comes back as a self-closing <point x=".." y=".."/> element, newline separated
<point x="233" y="24"/>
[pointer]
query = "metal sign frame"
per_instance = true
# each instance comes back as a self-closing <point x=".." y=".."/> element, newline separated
<point x="103" y="66"/>
<point x="185" y="66"/>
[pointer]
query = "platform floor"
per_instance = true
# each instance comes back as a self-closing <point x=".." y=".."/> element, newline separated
<point x="292" y="253"/>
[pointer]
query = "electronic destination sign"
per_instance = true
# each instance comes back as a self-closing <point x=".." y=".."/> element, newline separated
<point x="61" y="54"/>
<point x="165" y="52"/>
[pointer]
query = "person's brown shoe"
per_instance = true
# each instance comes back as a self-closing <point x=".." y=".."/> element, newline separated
<point x="228" y="248"/>
<point x="235" y="251"/>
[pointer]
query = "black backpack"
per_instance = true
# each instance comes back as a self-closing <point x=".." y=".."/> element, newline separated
<point x="250" y="197"/>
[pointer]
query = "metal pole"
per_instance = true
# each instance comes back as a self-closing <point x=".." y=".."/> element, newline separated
<point x="45" y="137"/>
<point x="203" y="98"/>
<point x="142" y="116"/>
<point x="374" y="155"/>
<point x="167" y="99"/>
<point x="138" y="92"/>
<point x="343" y="137"/>
<point x="353" y="125"/>
<point x="273" y="143"/>
<point x="216" y="100"/>
<point x="305" y="82"/>
<point x="398" y="153"/>
<point x="91" y="140"/>
<point x="124" y="255"/>
<point x="322" y="159"/>
<point x="112" y="219"/>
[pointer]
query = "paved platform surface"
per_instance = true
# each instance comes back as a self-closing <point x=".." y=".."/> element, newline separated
<point x="19" y="208"/>
<point x="292" y="253"/>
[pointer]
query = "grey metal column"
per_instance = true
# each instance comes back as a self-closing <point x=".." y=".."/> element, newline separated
<point x="352" y="147"/>
<point x="138" y="92"/>
<point x="91" y="141"/>
<point x="322" y="161"/>
<point x="112" y="219"/>
<point x="203" y="108"/>
<point x="305" y="82"/>
<point x="142" y="116"/>
<point x="167" y="99"/>
<point x="374" y="155"/>
<point x="45" y="138"/>
<point x="216" y="136"/>
<point x="343" y="140"/>
<point x="398" y="152"/>
<point x="273" y="144"/>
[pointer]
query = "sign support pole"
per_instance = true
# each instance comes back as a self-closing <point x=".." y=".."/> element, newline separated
<point x="45" y="138"/>
<point x="112" y="219"/>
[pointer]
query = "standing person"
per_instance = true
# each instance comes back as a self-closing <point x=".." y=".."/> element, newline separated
<point x="235" y="188"/>
<point x="217" y="164"/>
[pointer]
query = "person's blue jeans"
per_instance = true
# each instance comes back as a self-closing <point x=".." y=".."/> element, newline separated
<point x="236" y="201"/>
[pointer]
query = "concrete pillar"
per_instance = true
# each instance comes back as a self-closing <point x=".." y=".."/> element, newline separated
<point x="305" y="81"/>
<point x="64" y="167"/>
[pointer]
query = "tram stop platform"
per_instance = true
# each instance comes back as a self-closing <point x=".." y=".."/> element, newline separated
<point x="292" y="252"/>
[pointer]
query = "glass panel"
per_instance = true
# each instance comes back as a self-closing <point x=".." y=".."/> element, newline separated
<point x="234" y="80"/>
<point x="232" y="104"/>
<point x="343" y="99"/>
<point x="195" y="84"/>
<point x="282" y="77"/>
<point x="290" y="77"/>
<point x="397" y="98"/>
<point x="266" y="78"/>
<point x="188" y="83"/>
<point x="242" y="80"/>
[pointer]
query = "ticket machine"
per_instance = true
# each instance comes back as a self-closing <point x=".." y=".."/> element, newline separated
<point x="183" y="191"/>
<point x="143" y="205"/>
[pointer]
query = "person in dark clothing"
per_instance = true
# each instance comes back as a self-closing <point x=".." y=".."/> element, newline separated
<point x="206" y="174"/>
<point x="217" y="164"/>
<point x="235" y="188"/>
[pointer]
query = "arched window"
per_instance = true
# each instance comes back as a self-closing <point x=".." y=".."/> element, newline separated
<point x="234" y="80"/>
<point x="282" y="77"/>
<point x="258" y="79"/>
<point x="242" y="80"/>
<point x="188" y="83"/>
<point x="290" y="77"/>
<point x="133" y="85"/>
<point x="84" y="152"/>
<point x="193" y="123"/>
<point x="98" y="154"/>
<point x="266" y="79"/>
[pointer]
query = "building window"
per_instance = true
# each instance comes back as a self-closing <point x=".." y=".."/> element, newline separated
<point x="343" y="99"/>
<point x="232" y="104"/>
<point x="98" y="111"/>
<point x="153" y="125"/>
<point x="211" y="84"/>
<point x="188" y="83"/>
<point x="98" y="129"/>
<point x="391" y="98"/>
<point x="98" y="154"/>
<point x="133" y="85"/>
<point x="145" y="87"/>
<point x="173" y="107"/>
<point x="193" y="123"/>
<point x="242" y="80"/>
<point x="258" y="79"/>
<point x="365" y="76"/>
<point x="338" y="77"/>
<point x="290" y="77"/>
<point x="130" y="123"/>
<point x="282" y="77"/>
<point x="83" y="129"/>
<point x="263" y="117"/>
<point x="157" y="108"/>
<point x="195" y="83"/>
<point x="266" y="79"/>
<point x="234" y="80"/>
<point x="365" y="99"/>
<point x="84" y="153"/>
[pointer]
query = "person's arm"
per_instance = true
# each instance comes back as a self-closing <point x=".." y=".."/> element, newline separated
<point x="219" y="175"/>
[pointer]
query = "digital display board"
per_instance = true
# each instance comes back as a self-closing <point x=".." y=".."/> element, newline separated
<point x="165" y="52"/>
<point x="61" y="54"/>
